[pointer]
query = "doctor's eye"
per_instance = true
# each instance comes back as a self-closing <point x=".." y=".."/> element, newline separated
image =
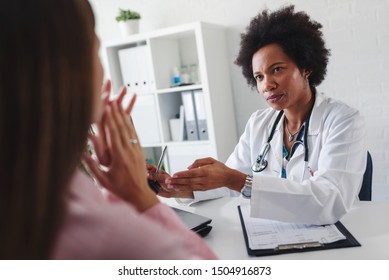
<point x="277" y="69"/>
<point x="258" y="78"/>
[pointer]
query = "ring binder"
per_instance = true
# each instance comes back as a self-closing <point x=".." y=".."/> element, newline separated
<point x="190" y="116"/>
<point x="201" y="117"/>
<point x="135" y="68"/>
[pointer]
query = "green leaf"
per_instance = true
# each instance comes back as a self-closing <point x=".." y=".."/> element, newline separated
<point x="125" y="15"/>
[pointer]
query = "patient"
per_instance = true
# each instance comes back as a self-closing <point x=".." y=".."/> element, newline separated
<point x="50" y="79"/>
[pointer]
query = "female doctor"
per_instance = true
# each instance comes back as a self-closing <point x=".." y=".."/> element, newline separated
<point x="301" y="160"/>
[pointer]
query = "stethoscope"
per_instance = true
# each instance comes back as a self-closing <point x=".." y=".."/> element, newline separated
<point x="261" y="163"/>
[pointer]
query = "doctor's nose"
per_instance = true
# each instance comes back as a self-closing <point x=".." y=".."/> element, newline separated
<point x="268" y="84"/>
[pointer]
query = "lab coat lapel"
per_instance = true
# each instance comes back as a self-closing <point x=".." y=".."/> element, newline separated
<point x="313" y="129"/>
<point x="316" y="115"/>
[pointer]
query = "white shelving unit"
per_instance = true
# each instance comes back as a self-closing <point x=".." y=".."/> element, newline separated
<point x="149" y="73"/>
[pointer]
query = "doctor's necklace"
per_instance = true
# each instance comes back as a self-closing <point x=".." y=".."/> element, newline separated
<point x="291" y="135"/>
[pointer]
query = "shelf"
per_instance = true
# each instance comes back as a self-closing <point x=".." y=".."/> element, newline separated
<point x="179" y="89"/>
<point x="188" y="143"/>
<point x="176" y="143"/>
<point x="145" y="63"/>
<point x="152" y="145"/>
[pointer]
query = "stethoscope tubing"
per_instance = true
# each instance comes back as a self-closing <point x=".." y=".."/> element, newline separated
<point x="261" y="163"/>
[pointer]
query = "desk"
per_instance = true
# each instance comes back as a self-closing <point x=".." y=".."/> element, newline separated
<point x="368" y="223"/>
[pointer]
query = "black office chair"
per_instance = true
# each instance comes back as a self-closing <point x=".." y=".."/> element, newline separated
<point x="365" y="193"/>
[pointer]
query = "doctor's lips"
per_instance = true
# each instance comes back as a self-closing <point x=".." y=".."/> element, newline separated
<point x="274" y="97"/>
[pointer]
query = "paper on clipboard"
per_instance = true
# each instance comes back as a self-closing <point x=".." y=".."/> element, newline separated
<point x="270" y="234"/>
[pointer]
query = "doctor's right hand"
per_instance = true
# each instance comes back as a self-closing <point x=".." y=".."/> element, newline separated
<point x="206" y="174"/>
<point x="161" y="178"/>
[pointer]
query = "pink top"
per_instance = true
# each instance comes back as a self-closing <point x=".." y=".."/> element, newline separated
<point x="95" y="227"/>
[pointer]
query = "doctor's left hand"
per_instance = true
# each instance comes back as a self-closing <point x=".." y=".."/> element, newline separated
<point x="206" y="174"/>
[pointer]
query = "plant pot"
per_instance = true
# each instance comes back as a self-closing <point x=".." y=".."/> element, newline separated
<point x="129" y="27"/>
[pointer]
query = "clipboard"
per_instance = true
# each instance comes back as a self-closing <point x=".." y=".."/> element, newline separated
<point x="350" y="241"/>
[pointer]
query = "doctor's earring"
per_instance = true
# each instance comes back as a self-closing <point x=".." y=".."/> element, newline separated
<point x="307" y="78"/>
<point x="307" y="74"/>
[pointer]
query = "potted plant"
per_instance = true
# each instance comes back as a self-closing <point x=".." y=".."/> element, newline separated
<point x="128" y="21"/>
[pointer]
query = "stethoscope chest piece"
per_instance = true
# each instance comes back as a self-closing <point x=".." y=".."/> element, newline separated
<point x="261" y="163"/>
<point x="259" y="166"/>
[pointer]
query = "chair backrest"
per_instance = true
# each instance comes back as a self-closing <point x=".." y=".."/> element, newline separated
<point x="365" y="193"/>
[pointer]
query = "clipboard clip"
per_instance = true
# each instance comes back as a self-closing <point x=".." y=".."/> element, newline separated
<point x="299" y="246"/>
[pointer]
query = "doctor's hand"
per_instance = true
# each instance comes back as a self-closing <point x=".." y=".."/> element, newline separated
<point x="206" y="174"/>
<point x="161" y="178"/>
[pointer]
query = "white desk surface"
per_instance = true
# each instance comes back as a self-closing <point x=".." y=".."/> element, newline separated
<point x="368" y="223"/>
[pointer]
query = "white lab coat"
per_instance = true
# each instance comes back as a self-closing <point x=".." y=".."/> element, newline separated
<point x="337" y="158"/>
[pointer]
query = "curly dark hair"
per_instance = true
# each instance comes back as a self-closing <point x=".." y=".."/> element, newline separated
<point x="298" y="35"/>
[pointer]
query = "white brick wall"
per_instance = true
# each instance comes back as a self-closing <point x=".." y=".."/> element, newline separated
<point x="356" y="32"/>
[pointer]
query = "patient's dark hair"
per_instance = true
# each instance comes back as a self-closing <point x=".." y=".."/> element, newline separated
<point x="46" y="97"/>
<point x="299" y="36"/>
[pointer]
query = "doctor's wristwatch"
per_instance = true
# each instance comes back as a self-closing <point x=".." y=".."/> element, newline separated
<point x="248" y="183"/>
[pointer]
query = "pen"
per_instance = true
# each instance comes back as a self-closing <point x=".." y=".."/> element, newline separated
<point x="159" y="165"/>
<point x="154" y="185"/>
